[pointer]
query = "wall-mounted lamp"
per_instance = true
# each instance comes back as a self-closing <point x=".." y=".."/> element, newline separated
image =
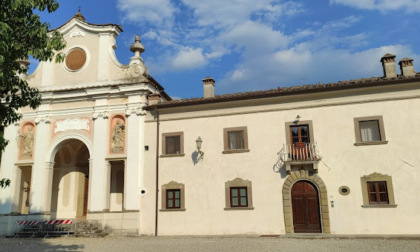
<point x="296" y="119"/>
<point x="198" y="142"/>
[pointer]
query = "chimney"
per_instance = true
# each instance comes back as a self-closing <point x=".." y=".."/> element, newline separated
<point x="208" y="86"/>
<point x="153" y="99"/>
<point x="388" y="64"/>
<point x="406" y="66"/>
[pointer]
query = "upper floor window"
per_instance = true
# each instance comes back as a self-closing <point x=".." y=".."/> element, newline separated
<point x="299" y="134"/>
<point x="300" y="142"/>
<point x="369" y="130"/>
<point x="235" y="140"/>
<point x="173" y="144"/>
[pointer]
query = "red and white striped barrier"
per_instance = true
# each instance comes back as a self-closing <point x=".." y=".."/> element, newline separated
<point x="24" y="223"/>
<point x="57" y="222"/>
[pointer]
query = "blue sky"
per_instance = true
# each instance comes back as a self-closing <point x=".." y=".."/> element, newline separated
<point x="256" y="45"/>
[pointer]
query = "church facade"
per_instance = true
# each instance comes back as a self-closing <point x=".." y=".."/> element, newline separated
<point x="109" y="145"/>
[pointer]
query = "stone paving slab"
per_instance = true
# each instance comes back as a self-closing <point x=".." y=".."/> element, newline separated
<point x="210" y="243"/>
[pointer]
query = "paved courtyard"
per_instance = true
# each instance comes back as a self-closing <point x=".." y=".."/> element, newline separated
<point x="122" y="244"/>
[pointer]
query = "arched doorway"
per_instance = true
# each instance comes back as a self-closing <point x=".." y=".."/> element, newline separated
<point x="314" y="180"/>
<point x="305" y="207"/>
<point x="70" y="185"/>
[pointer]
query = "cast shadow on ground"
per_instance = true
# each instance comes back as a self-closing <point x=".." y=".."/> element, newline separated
<point x="37" y="244"/>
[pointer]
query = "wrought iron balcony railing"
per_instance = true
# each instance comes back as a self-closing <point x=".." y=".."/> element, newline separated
<point x="299" y="152"/>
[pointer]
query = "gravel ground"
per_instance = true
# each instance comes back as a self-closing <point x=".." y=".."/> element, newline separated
<point x="122" y="244"/>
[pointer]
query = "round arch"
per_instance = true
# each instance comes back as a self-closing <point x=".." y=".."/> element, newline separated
<point x="323" y="199"/>
<point x="59" y="141"/>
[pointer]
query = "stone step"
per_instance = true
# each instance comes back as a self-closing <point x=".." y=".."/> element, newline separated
<point x="89" y="229"/>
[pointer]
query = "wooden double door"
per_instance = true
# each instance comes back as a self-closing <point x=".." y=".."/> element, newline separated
<point x="305" y="207"/>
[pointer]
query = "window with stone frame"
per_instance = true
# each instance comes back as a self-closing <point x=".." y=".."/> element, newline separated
<point x="173" y="144"/>
<point x="238" y="194"/>
<point x="173" y="197"/>
<point x="377" y="190"/>
<point x="369" y="130"/>
<point x="235" y="140"/>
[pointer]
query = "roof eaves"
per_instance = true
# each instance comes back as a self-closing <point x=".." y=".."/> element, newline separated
<point x="306" y="89"/>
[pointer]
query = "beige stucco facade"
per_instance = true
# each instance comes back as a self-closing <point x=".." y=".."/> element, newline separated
<point x="97" y="149"/>
<point x="343" y="162"/>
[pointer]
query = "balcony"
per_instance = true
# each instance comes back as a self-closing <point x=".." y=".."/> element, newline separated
<point x="300" y="153"/>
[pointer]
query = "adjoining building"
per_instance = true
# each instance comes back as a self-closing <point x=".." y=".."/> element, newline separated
<point x="108" y="144"/>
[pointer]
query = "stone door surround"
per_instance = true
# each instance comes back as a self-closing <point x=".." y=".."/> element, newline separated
<point x="323" y="199"/>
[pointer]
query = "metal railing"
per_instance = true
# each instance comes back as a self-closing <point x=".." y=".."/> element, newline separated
<point x="299" y="152"/>
<point x="44" y="228"/>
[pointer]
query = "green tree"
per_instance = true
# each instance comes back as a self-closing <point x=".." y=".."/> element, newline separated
<point x="23" y="34"/>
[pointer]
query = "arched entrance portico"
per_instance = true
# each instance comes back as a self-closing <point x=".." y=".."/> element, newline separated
<point x="70" y="181"/>
<point x="308" y="186"/>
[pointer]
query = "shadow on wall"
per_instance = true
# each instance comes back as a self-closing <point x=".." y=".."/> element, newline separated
<point x="195" y="156"/>
<point x="11" y="212"/>
<point x="279" y="167"/>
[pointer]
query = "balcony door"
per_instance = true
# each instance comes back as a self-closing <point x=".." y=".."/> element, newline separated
<point x="300" y="139"/>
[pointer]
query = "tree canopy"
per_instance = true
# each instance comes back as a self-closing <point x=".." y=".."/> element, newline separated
<point x="23" y="34"/>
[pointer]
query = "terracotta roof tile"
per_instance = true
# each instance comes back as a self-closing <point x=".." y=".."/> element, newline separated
<point x="282" y="91"/>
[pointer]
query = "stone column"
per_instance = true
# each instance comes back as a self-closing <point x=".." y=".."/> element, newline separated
<point x="98" y="163"/>
<point x="42" y="135"/>
<point x="49" y="173"/>
<point x="8" y="169"/>
<point x="134" y="166"/>
<point x="107" y="187"/>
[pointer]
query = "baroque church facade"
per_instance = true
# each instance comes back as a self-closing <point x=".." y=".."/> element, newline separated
<point x="109" y="145"/>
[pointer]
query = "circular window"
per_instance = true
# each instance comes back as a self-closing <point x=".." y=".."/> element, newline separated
<point x="76" y="59"/>
<point x="344" y="190"/>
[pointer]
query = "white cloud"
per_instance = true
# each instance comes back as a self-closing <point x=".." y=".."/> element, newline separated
<point x="295" y="66"/>
<point x="189" y="58"/>
<point x="340" y="24"/>
<point x="263" y="51"/>
<point x="382" y="5"/>
<point x="254" y="37"/>
<point x="159" y="12"/>
<point x="217" y="52"/>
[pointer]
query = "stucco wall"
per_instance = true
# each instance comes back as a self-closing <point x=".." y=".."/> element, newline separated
<point x="343" y="163"/>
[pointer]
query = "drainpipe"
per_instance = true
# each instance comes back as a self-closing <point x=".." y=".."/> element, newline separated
<point x="157" y="172"/>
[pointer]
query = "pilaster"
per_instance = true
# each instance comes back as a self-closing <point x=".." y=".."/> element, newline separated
<point x="134" y="165"/>
<point x="103" y="56"/>
<point x="7" y="169"/>
<point x="49" y="172"/>
<point x="98" y="164"/>
<point x="38" y="180"/>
